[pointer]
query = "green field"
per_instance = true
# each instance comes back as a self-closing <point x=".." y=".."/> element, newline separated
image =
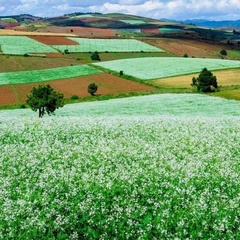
<point x="161" y="67"/>
<point x="46" y="74"/>
<point x="107" y="45"/>
<point x="20" y="45"/>
<point x="160" y="166"/>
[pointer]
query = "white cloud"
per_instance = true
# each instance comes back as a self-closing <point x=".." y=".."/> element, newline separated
<point x="179" y="9"/>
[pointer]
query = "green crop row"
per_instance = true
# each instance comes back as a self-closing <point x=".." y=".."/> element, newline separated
<point x="161" y="67"/>
<point x="20" y="45"/>
<point x="107" y="45"/>
<point x="46" y="74"/>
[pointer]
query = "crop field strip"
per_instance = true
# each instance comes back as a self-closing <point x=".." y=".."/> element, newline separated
<point x="136" y="167"/>
<point x="20" y="45"/>
<point x="107" y="84"/>
<point x="162" y="67"/>
<point x="46" y="74"/>
<point x="107" y="45"/>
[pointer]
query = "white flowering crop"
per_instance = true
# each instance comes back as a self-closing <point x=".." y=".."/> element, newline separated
<point x="110" y="45"/>
<point x="161" y="67"/>
<point x="142" y="175"/>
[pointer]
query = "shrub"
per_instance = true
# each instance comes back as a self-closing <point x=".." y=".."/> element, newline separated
<point x="223" y="52"/>
<point x="185" y="55"/>
<point x="121" y="73"/>
<point x="205" y="82"/>
<point x="74" y="96"/>
<point x="92" y="88"/>
<point x="95" y="56"/>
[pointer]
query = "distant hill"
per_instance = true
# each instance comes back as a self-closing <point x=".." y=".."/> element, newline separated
<point x="208" y="23"/>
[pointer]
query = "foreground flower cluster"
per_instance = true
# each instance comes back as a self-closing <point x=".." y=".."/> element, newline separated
<point x="120" y="177"/>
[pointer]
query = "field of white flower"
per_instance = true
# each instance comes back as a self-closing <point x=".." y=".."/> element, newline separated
<point x="110" y="45"/>
<point x="20" y="45"/>
<point x="162" y="67"/>
<point x="135" y="168"/>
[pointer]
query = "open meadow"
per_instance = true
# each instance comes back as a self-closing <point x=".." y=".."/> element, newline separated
<point x="161" y="166"/>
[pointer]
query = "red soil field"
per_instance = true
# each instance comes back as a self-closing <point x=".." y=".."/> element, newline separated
<point x="92" y="19"/>
<point x="107" y="84"/>
<point x="150" y="30"/>
<point x="8" y="96"/>
<point x="52" y="40"/>
<point x="12" y="25"/>
<point x="91" y="32"/>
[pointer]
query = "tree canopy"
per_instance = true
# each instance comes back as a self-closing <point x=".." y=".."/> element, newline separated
<point x="205" y="82"/>
<point x="92" y="88"/>
<point x="44" y="99"/>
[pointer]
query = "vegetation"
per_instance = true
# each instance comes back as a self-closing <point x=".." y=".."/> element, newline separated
<point x="95" y="56"/>
<point x="110" y="45"/>
<point x="205" y="82"/>
<point x="44" y="99"/>
<point x="92" y="88"/>
<point x="223" y="52"/>
<point x="97" y="170"/>
<point x="46" y="74"/>
<point x="161" y="67"/>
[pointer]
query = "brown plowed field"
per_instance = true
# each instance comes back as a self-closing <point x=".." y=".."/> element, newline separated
<point x="191" y="47"/>
<point x="51" y="40"/>
<point x="91" y="32"/>
<point x="107" y="84"/>
<point x="150" y="30"/>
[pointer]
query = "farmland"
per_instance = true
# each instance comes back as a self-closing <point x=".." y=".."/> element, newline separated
<point x="135" y="167"/>
<point x="152" y="68"/>
<point x="46" y="75"/>
<point x="159" y="166"/>
<point x="20" y="45"/>
<point x="109" y="45"/>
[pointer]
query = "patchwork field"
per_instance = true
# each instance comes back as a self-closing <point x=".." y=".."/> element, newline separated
<point x="107" y="45"/>
<point x="224" y="78"/>
<point x="152" y="68"/>
<point x="46" y="74"/>
<point x="107" y="85"/>
<point x="136" y="167"/>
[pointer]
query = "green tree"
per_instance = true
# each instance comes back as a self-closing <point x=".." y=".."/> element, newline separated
<point x="92" y="88"/>
<point x="95" y="56"/>
<point x="44" y="99"/>
<point x="223" y="52"/>
<point x="205" y="82"/>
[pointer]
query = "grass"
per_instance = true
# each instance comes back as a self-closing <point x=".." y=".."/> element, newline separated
<point x="134" y="168"/>
<point x="152" y="68"/>
<point x="46" y="74"/>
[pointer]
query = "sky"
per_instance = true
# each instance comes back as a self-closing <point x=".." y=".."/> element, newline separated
<point x="157" y="9"/>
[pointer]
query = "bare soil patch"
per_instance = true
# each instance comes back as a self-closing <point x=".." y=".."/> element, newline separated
<point x="54" y="40"/>
<point x="191" y="47"/>
<point x="92" y="32"/>
<point x="150" y="30"/>
<point x="107" y="84"/>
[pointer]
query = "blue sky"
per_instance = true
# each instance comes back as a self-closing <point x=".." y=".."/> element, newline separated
<point x="178" y="10"/>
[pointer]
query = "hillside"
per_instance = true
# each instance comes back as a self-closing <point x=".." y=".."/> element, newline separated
<point x="31" y="44"/>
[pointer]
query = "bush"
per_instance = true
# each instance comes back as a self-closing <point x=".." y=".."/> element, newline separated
<point x="74" y="96"/>
<point x="223" y="52"/>
<point x="185" y="55"/>
<point x="92" y="88"/>
<point x="121" y="73"/>
<point x="95" y="56"/>
<point x="205" y="82"/>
